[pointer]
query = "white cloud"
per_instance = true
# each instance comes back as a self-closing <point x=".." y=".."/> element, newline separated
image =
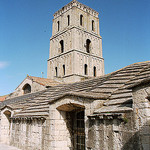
<point x="3" y="64"/>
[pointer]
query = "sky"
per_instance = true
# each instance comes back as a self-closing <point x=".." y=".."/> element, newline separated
<point x="26" y="27"/>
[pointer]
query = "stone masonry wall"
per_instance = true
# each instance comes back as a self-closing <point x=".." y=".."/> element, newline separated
<point x="112" y="133"/>
<point x="142" y="114"/>
<point x="30" y="134"/>
<point x="35" y="87"/>
<point x="60" y="136"/>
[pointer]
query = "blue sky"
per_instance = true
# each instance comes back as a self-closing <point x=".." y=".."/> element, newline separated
<point x="26" y="26"/>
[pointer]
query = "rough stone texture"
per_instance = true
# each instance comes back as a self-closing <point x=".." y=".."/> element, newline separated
<point x="36" y="83"/>
<point x="116" y="114"/>
<point x="74" y="36"/>
<point x="116" y="106"/>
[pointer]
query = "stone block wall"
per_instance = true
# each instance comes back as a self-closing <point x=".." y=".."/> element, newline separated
<point x="110" y="132"/>
<point x="5" y="125"/>
<point x="59" y="128"/>
<point x="30" y="134"/>
<point x="35" y="87"/>
<point x="142" y="114"/>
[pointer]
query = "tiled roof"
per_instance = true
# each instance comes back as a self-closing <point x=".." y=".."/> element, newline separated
<point x="112" y="87"/>
<point x="122" y="96"/>
<point x="2" y="98"/>
<point x="44" y="81"/>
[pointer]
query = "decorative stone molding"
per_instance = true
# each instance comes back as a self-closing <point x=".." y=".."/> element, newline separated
<point x="77" y="4"/>
<point x="106" y="116"/>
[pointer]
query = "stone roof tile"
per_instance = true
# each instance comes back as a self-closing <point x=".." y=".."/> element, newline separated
<point x="113" y="86"/>
<point x="44" y="81"/>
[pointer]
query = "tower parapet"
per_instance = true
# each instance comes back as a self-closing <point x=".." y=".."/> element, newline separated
<point x="75" y="3"/>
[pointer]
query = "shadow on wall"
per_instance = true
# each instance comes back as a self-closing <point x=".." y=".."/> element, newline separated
<point x="139" y="140"/>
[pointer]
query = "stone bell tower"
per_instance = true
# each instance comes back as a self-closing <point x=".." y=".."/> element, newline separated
<point x="76" y="44"/>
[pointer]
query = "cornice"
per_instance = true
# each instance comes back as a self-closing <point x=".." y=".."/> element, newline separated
<point x="79" y="28"/>
<point x="88" y="54"/>
<point x="75" y="3"/>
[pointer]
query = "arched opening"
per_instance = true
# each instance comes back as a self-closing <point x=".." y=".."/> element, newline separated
<point x="93" y="25"/>
<point x="56" y="72"/>
<point x="85" y="69"/>
<point x="94" y="71"/>
<point x="7" y="113"/>
<point x="63" y="69"/>
<point x="75" y="122"/>
<point x="27" y="89"/>
<point x="62" y="46"/>
<point x="88" y="46"/>
<point x="68" y="20"/>
<point x="81" y="20"/>
<point x="58" y="25"/>
<point x="5" y="126"/>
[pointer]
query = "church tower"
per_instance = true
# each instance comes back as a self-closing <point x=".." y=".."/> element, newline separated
<point x="76" y="44"/>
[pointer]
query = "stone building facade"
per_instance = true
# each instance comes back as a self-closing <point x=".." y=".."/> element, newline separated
<point x="108" y="112"/>
<point x="31" y="85"/>
<point x="76" y="44"/>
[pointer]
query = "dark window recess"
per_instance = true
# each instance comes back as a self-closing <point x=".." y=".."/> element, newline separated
<point x="58" y="25"/>
<point x="64" y="69"/>
<point x="56" y="72"/>
<point x="68" y="20"/>
<point x="85" y="69"/>
<point x="88" y="45"/>
<point x="27" y="89"/>
<point x="93" y="25"/>
<point x="80" y="131"/>
<point x="62" y="46"/>
<point x="94" y="71"/>
<point x="81" y="20"/>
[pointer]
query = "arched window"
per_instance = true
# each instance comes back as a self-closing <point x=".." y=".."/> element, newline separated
<point x="68" y="20"/>
<point x="62" y="46"/>
<point x="58" y="25"/>
<point x="64" y="69"/>
<point x="93" y="25"/>
<point x="56" y="72"/>
<point x="85" y="69"/>
<point x="88" y="45"/>
<point x="94" y="71"/>
<point x="27" y="89"/>
<point x="81" y="20"/>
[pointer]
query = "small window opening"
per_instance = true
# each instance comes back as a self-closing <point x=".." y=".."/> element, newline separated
<point x="88" y="45"/>
<point x="93" y="25"/>
<point x="27" y="89"/>
<point x="63" y="69"/>
<point x="62" y="46"/>
<point x="56" y="72"/>
<point x="81" y="20"/>
<point x="58" y="25"/>
<point x="94" y="70"/>
<point x="85" y="69"/>
<point x="68" y="20"/>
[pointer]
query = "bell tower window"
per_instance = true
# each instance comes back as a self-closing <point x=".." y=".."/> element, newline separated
<point x="68" y="20"/>
<point x="56" y="72"/>
<point x="88" y="45"/>
<point x="63" y="69"/>
<point x="93" y="25"/>
<point x="81" y="20"/>
<point x="58" y="25"/>
<point x="62" y="46"/>
<point x="85" y="69"/>
<point x="94" y="71"/>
